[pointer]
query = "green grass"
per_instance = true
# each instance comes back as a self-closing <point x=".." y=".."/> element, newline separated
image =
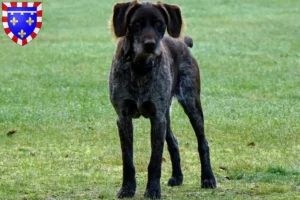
<point x="54" y="92"/>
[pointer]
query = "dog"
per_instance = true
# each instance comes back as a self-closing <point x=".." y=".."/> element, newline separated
<point x="148" y="69"/>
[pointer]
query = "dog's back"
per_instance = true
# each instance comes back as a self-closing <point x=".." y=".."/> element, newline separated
<point x="182" y="62"/>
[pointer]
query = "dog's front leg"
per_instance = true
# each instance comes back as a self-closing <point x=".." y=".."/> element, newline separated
<point x="126" y="139"/>
<point x="158" y="132"/>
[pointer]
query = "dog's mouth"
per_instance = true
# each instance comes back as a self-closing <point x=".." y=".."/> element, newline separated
<point x="146" y="56"/>
<point x="144" y="60"/>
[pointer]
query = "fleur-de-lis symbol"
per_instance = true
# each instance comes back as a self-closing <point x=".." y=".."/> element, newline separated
<point x="14" y="21"/>
<point x="29" y="21"/>
<point x="22" y="33"/>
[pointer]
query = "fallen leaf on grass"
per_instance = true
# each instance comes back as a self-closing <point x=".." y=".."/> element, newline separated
<point x="32" y="153"/>
<point x="10" y="133"/>
<point x="223" y="168"/>
<point x="251" y="144"/>
<point x="254" y="187"/>
<point x="228" y="150"/>
<point x="164" y="159"/>
<point x="67" y="156"/>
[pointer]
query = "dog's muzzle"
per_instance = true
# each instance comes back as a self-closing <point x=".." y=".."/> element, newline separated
<point x="149" y="45"/>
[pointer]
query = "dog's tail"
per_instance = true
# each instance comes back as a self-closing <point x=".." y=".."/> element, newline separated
<point x="188" y="41"/>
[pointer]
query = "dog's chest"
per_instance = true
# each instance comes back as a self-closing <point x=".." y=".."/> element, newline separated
<point x="146" y="94"/>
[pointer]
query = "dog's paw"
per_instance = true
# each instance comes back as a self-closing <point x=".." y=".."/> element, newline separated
<point x="209" y="182"/>
<point x="175" y="181"/>
<point x="126" y="192"/>
<point x="152" y="194"/>
<point x="153" y="190"/>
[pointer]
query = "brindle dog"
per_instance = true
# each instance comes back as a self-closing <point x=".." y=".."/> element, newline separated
<point x="147" y="70"/>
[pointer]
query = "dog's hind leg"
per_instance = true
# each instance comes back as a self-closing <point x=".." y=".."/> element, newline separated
<point x="177" y="176"/>
<point x="126" y="138"/>
<point x="189" y="98"/>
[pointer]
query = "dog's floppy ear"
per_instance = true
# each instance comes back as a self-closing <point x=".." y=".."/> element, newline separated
<point x="174" y="23"/>
<point x="119" y="18"/>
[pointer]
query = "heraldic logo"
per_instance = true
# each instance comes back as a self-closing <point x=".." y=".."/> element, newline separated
<point x="22" y="21"/>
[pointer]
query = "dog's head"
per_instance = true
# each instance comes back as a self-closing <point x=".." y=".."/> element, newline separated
<point x="144" y="24"/>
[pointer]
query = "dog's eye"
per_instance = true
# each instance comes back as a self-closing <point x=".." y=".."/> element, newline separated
<point x="158" y="24"/>
<point x="136" y="24"/>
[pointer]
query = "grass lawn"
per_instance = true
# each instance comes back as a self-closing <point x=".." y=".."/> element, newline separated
<point x="54" y="93"/>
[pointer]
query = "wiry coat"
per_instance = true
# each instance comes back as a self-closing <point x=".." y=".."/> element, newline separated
<point x="147" y="70"/>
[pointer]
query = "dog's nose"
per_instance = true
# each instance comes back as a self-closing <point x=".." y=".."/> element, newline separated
<point x="149" y="45"/>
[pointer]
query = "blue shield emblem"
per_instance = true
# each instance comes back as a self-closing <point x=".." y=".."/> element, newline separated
<point x="22" y="21"/>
